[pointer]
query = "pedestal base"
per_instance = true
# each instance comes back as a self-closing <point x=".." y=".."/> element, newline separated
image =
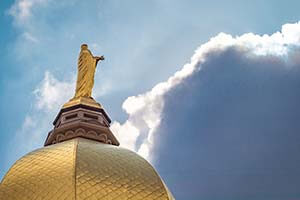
<point x="88" y="101"/>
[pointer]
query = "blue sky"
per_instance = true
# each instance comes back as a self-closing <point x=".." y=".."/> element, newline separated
<point x="145" y="43"/>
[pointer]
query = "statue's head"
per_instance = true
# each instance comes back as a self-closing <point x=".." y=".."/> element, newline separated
<point x="84" y="47"/>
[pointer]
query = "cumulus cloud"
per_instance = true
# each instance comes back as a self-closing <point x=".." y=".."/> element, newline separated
<point x="225" y="126"/>
<point x="144" y="112"/>
<point x="126" y="133"/>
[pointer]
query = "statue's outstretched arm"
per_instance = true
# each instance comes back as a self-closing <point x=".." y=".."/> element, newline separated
<point x="98" y="58"/>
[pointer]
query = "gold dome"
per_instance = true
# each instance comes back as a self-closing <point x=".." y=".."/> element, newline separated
<point x="82" y="169"/>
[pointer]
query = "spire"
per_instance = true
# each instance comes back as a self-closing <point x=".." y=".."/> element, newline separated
<point x="82" y="116"/>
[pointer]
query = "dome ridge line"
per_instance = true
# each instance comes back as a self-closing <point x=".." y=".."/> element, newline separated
<point x="74" y="165"/>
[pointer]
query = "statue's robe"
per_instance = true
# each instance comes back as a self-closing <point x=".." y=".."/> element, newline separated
<point x="85" y="76"/>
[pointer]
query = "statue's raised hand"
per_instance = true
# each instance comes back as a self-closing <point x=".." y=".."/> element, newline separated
<point x="99" y="58"/>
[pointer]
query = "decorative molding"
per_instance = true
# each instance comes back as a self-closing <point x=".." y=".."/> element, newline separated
<point x="80" y="132"/>
<point x="81" y="122"/>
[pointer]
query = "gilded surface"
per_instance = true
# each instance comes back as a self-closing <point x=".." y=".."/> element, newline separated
<point x="87" y="64"/>
<point x="82" y="169"/>
<point x="46" y="173"/>
<point x="115" y="173"/>
<point x="84" y="101"/>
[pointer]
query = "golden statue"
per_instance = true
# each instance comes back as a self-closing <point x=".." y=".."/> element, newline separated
<point x="87" y="64"/>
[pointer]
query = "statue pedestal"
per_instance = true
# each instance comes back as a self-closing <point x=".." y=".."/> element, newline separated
<point x="82" y="117"/>
<point x="88" y="101"/>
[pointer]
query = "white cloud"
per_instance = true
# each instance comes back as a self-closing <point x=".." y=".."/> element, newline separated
<point x="21" y="10"/>
<point x="121" y="132"/>
<point x="51" y="94"/>
<point x="147" y="107"/>
<point x="28" y="122"/>
<point x="28" y="36"/>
